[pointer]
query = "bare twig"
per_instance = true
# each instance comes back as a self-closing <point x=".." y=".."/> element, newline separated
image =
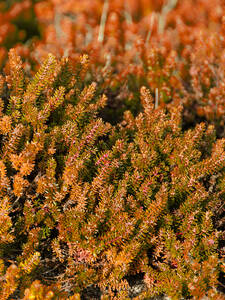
<point x="156" y="98"/>
<point x="103" y="21"/>
<point x="162" y="17"/>
<point x="152" y="19"/>
<point x="127" y="13"/>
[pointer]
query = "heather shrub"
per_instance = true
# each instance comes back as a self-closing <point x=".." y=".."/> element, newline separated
<point x="112" y="148"/>
<point x="175" y="48"/>
<point x="159" y="44"/>
<point x="45" y="122"/>
<point x="17" y="26"/>
<point x="202" y="75"/>
<point x="84" y="202"/>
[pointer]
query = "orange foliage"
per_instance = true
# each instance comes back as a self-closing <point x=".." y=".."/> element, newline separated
<point x="112" y="150"/>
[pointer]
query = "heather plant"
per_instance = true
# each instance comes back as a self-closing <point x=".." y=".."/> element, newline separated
<point x="112" y="148"/>
<point x="17" y="25"/>
<point x="205" y="99"/>
<point x="39" y="124"/>
<point x="87" y="203"/>
<point x="158" y="44"/>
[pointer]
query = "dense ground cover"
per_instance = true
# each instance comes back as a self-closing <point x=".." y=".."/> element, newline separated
<point x="112" y="148"/>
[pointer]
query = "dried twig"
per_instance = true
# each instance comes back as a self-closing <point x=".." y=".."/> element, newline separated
<point x="162" y="17"/>
<point x="156" y="98"/>
<point x="152" y="20"/>
<point x="127" y="13"/>
<point x="103" y="21"/>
